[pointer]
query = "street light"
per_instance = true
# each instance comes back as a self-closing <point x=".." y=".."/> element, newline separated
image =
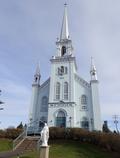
<point x="70" y="118"/>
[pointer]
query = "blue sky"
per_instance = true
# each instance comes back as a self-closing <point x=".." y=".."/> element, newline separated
<point x="28" y="32"/>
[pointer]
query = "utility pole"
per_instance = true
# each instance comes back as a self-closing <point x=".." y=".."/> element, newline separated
<point x="115" y="117"/>
<point x="1" y="101"/>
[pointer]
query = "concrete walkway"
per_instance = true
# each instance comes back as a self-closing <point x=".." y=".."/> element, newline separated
<point x="9" y="154"/>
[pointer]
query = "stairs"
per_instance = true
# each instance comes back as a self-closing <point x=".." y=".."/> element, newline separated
<point x="29" y="143"/>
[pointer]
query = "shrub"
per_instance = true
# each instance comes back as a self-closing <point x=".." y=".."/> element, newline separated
<point x="108" y="141"/>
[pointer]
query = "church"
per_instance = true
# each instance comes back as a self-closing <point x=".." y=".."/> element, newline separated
<point x="65" y="99"/>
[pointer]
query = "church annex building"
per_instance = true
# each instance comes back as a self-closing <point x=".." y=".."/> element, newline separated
<point x="65" y="99"/>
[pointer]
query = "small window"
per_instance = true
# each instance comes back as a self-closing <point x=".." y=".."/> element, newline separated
<point x="83" y="99"/>
<point x="85" y="123"/>
<point x="63" y="50"/>
<point x="84" y="107"/>
<point x="62" y="69"/>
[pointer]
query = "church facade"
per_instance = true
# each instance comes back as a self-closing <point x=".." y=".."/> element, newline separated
<point x="65" y="99"/>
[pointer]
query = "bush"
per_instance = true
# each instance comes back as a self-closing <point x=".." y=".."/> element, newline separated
<point x="108" y="141"/>
<point x="10" y="133"/>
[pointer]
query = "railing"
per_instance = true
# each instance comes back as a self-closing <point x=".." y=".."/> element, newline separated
<point x="19" y="139"/>
<point x="38" y="144"/>
<point x="23" y="135"/>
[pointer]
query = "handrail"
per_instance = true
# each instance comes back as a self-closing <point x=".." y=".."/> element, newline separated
<point x="19" y="139"/>
<point x="38" y="144"/>
<point x="22" y="136"/>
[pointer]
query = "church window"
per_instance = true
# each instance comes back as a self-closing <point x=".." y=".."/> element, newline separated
<point x="57" y="91"/>
<point x="63" y="50"/>
<point x="84" y="107"/>
<point x="44" y="104"/>
<point x="85" y="123"/>
<point x="62" y="69"/>
<point x="66" y="90"/>
<point x="83" y="99"/>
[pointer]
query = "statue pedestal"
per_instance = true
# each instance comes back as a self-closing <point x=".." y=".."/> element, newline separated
<point x="44" y="152"/>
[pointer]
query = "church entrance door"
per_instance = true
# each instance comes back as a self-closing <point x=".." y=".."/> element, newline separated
<point x="61" y="119"/>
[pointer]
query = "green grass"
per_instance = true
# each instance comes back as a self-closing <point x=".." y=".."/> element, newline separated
<point x="65" y="149"/>
<point x="73" y="149"/>
<point x="5" y="144"/>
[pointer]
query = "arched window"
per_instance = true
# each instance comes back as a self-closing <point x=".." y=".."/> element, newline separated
<point x="83" y="99"/>
<point x="57" y="91"/>
<point x="61" y="119"/>
<point x="63" y="50"/>
<point x="44" y="104"/>
<point x="85" y="123"/>
<point x="66" y="90"/>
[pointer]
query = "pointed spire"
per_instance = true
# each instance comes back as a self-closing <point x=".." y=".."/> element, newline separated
<point x="37" y="75"/>
<point x="38" y="69"/>
<point x="93" y="71"/>
<point x="64" y="30"/>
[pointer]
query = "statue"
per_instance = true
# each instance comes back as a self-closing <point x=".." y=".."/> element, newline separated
<point x="45" y="135"/>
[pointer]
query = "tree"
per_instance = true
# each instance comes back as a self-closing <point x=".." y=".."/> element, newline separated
<point x="105" y="127"/>
<point x="20" y="126"/>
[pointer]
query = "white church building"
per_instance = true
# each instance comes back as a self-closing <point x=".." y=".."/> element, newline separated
<point x="65" y="99"/>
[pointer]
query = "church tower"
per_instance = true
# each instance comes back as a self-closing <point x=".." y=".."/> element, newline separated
<point x="95" y="97"/>
<point x="34" y="99"/>
<point x="63" y="66"/>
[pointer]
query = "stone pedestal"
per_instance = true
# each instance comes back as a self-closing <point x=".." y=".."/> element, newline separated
<point x="44" y="152"/>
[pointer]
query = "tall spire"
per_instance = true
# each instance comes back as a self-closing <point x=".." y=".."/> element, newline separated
<point x="64" y="30"/>
<point x="37" y="75"/>
<point x="93" y="71"/>
<point x="38" y="69"/>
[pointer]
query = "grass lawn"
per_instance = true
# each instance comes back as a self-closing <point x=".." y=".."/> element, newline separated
<point x="72" y="149"/>
<point x="65" y="149"/>
<point x="5" y="144"/>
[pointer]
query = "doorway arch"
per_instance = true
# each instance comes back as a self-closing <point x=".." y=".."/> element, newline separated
<point x="61" y="119"/>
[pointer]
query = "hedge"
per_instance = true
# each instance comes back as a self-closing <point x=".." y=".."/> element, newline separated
<point x="108" y="141"/>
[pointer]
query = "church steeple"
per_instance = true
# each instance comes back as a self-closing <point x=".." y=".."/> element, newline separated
<point x="64" y="43"/>
<point x="37" y="75"/>
<point x="64" y="30"/>
<point x="93" y="71"/>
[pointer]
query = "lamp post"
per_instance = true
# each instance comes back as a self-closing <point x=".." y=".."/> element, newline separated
<point x="70" y="118"/>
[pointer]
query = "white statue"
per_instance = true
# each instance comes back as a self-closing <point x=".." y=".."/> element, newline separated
<point x="45" y="135"/>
